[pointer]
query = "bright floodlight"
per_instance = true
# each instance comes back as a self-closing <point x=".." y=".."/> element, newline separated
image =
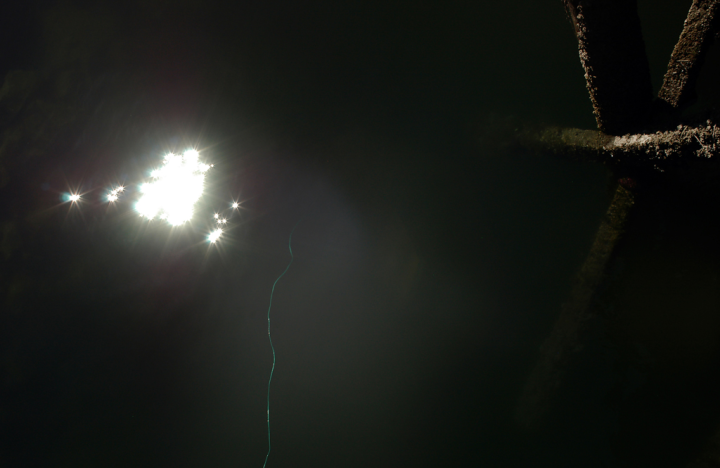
<point x="235" y="204"/>
<point x="74" y="197"/>
<point x="215" y="235"/>
<point x="176" y="187"/>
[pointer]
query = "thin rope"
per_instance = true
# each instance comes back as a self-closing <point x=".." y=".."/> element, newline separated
<point x="270" y="338"/>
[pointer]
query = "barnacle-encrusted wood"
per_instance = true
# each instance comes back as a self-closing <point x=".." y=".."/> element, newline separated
<point x="613" y="57"/>
<point x="612" y="53"/>
<point x="678" y="89"/>
<point x="660" y="149"/>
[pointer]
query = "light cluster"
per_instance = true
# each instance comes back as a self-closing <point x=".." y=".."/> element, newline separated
<point x="172" y="192"/>
<point x="114" y="194"/>
<point x="220" y="220"/>
<point x="176" y="187"/>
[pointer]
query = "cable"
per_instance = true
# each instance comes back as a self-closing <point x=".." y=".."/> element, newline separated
<point x="270" y="338"/>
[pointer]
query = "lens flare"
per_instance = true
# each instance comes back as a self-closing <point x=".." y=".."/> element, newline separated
<point x="113" y="195"/>
<point x="215" y="235"/>
<point x="170" y="193"/>
<point x="176" y="187"/>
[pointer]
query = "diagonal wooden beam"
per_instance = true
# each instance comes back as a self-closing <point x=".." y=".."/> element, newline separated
<point x="566" y="338"/>
<point x="618" y="80"/>
<point x="701" y="24"/>
<point x="612" y="53"/>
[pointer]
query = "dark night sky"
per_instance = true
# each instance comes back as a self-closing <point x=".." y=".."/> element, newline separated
<point x="431" y="257"/>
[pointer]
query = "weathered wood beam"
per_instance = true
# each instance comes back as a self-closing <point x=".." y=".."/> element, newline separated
<point x="566" y="338"/>
<point x="559" y="351"/>
<point x="618" y="80"/>
<point x="701" y="24"/>
<point x="651" y="149"/>
<point x="612" y="53"/>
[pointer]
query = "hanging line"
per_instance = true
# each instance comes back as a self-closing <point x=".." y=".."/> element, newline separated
<point x="270" y="338"/>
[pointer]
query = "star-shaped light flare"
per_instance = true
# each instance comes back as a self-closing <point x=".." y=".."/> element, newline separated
<point x="215" y="235"/>
<point x="114" y="194"/>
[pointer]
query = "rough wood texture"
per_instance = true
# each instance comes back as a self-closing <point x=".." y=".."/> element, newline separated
<point x="645" y="149"/>
<point x="678" y="89"/>
<point x="618" y="80"/>
<point x="566" y="337"/>
<point x="612" y="53"/>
